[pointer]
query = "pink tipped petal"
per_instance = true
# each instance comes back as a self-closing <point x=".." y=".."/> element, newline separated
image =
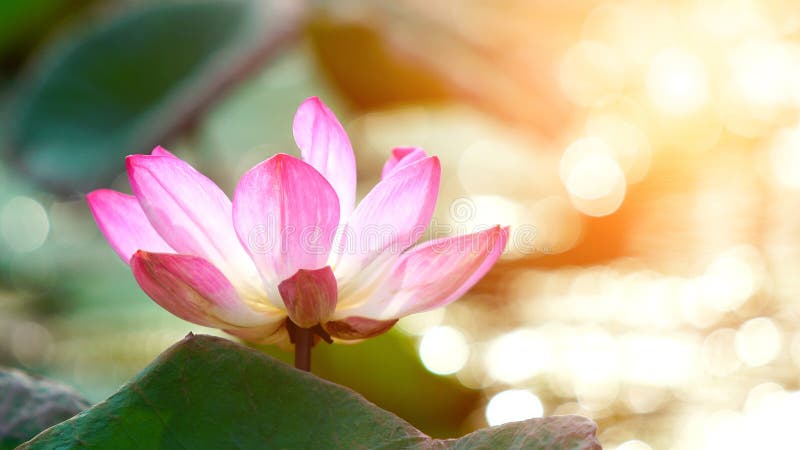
<point x="324" y="144"/>
<point x="286" y="215"/>
<point x="401" y="157"/>
<point x="391" y="218"/>
<point x="436" y="273"/>
<point x="161" y="151"/>
<point x="188" y="210"/>
<point x="309" y="296"/>
<point x="193" y="289"/>
<point x="354" y="328"/>
<point x="123" y="223"/>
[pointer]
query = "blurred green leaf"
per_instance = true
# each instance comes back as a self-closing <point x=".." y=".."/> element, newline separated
<point x="207" y="392"/>
<point x="29" y="405"/>
<point x="129" y="84"/>
<point x="24" y="21"/>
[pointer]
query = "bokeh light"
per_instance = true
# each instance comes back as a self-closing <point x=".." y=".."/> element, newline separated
<point x="518" y="355"/>
<point x="593" y="178"/>
<point x="626" y="143"/>
<point x="634" y="445"/>
<point x="443" y="350"/>
<point x="24" y="224"/>
<point x="677" y="82"/>
<point x="513" y="405"/>
<point x="758" y="341"/>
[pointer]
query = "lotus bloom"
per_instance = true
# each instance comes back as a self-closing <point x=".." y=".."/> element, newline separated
<point x="292" y="244"/>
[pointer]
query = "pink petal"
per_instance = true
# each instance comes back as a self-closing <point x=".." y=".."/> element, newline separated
<point x="123" y="223"/>
<point x="161" y="151"/>
<point x="391" y="218"/>
<point x="309" y="296"/>
<point x="286" y="215"/>
<point x="435" y="274"/>
<point x="353" y="328"/>
<point x="194" y="290"/>
<point x="324" y="144"/>
<point x="401" y="157"/>
<point x="189" y="211"/>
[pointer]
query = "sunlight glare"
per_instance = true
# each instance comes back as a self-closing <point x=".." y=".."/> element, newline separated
<point x="518" y="355"/>
<point x="677" y="82"/>
<point x="444" y="350"/>
<point x="512" y="406"/>
<point x="758" y="341"/>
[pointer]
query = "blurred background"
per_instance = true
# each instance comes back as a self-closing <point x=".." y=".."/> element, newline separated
<point x="645" y="153"/>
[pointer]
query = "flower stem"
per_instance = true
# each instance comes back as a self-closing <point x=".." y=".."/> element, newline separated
<point x="303" y="340"/>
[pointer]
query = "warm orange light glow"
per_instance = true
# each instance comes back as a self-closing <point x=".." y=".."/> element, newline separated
<point x="677" y="82"/>
<point x="591" y="73"/>
<point x="594" y="180"/>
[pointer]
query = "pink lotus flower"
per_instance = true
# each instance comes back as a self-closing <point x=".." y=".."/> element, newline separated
<point x="292" y="243"/>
